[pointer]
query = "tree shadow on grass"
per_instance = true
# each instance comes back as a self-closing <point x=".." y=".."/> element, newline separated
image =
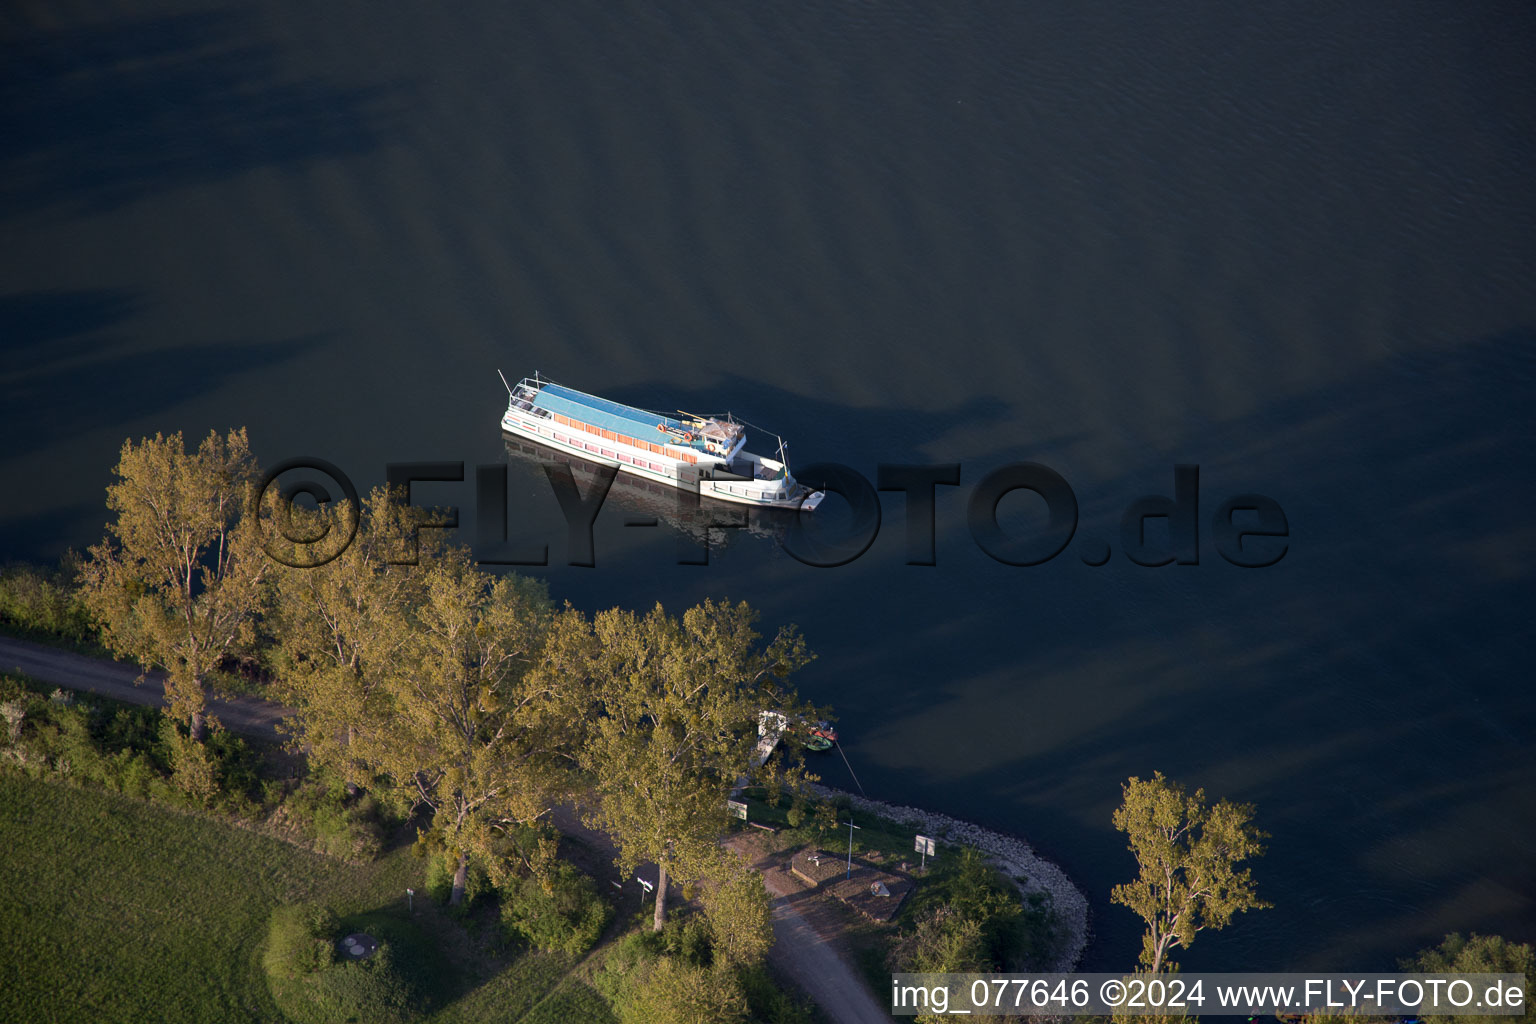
<point x="404" y="976"/>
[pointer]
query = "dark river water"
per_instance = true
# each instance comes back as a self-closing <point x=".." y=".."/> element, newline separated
<point x="1293" y="245"/>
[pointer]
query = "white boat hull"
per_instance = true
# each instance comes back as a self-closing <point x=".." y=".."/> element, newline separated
<point x="662" y="468"/>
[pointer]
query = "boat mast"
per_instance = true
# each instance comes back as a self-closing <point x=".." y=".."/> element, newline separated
<point x="504" y="383"/>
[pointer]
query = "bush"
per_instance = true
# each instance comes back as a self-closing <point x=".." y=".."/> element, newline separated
<point x="669" y="990"/>
<point x="624" y="958"/>
<point x="373" y="990"/>
<point x="769" y="1003"/>
<point x="311" y="985"/>
<point x="301" y="939"/>
<point x="967" y="912"/>
<point x="137" y="751"/>
<point x="562" y="913"/>
<point x="235" y="767"/>
<point x="685" y="939"/>
<point x="34" y="600"/>
<point x="439" y="885"/>
<point x="344" y="826"/>
<point x="347" y="833"/>
<point x="1478" y="954"/>
<point x="192" y="770"/>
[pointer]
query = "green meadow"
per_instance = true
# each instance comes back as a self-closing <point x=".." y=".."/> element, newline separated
<point x="112" y="909"/>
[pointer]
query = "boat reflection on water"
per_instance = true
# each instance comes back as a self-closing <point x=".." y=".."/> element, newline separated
<point x="636" y="497"/>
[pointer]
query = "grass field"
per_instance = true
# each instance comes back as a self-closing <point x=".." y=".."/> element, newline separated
<point x="116" y="910"/>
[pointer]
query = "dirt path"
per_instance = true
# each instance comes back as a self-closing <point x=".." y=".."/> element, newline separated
<point x="113" y="679"/>
<point x="806" y="945"/>
<point x="805" y="950"/>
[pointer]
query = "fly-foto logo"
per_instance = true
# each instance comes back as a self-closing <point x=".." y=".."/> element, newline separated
<point x="1247" y="530"/>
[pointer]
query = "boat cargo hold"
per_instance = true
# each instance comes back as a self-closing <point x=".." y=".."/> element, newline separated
<point x="689" y="451"/>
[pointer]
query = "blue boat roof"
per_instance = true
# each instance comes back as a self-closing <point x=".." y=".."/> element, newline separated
<point x="600" y="412"/>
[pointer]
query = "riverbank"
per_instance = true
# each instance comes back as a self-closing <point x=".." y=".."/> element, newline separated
<point x="1017" y="859"/>
<point x="1014" y="855"/>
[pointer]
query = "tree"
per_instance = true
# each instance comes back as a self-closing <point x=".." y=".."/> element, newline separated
<point x="1478" y="954"/>
<point x="339" y="627"/>
<point x="460" y="720"/>
<point x="1187" y="855"/>
<point x="737" y="910"/>
<point x="177" y="582"/>
<point x="672" y="709"/>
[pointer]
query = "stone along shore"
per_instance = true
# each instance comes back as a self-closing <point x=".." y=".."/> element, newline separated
<point x="1010" y="853"/>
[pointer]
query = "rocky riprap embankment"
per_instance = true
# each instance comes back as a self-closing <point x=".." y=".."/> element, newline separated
<point x="1012" y="854"/>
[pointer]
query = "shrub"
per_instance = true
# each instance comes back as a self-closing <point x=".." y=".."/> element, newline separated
<point x="561" y="913"/>
<point x="439" y="885"/>
<point x="944" y="942"/>
<point x="967" y="911"/>
<point x="134" y="774"/>
<point x="687" y="938"/>
<point x="39" y="601"/>
<point x="137" y="729"/>
<point x="668" y="991"/>
<point x="769" y="1003"/>
<point x="1478" y="954"/>
<point x="625" y="957"/>
<point x="373" y="990"/>
<point x="235" y="768"/>
<point x="394" y="985"/>
<point x="343" y="826"/>
<point x="15" y="714"/>
<point x="301" y="939"/>
<point x="133" y="750"/>
<point x="795" y="816"/>
<point x="192" y="770"/>
<point x="347" y="833"/>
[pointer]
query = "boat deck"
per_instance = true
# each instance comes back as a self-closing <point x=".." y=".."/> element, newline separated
<point x="624" y="420"/>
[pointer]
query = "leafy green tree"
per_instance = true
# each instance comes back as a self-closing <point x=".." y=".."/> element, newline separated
<point x="1187" y="854"/>
<point x="339" y="627"/>
<point x="737" y="909"/>
<point x="177" y="581"/>
<point x="461" y="721"/>
<point x="672" y="709"/>
<point x="1478" y="954"/>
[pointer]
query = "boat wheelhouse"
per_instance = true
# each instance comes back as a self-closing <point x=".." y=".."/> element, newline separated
<point x="687" y="451"/>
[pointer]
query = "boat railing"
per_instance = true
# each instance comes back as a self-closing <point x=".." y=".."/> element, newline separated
<point x="522" y="397"/>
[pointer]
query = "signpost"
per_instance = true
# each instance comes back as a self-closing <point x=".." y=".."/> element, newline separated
<point x="927" y="847"/>
<point x="738" y="809"/>
<point x="645" y="887"/>
<point x="410" y="899"/>
<point x="851" y="827"/>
